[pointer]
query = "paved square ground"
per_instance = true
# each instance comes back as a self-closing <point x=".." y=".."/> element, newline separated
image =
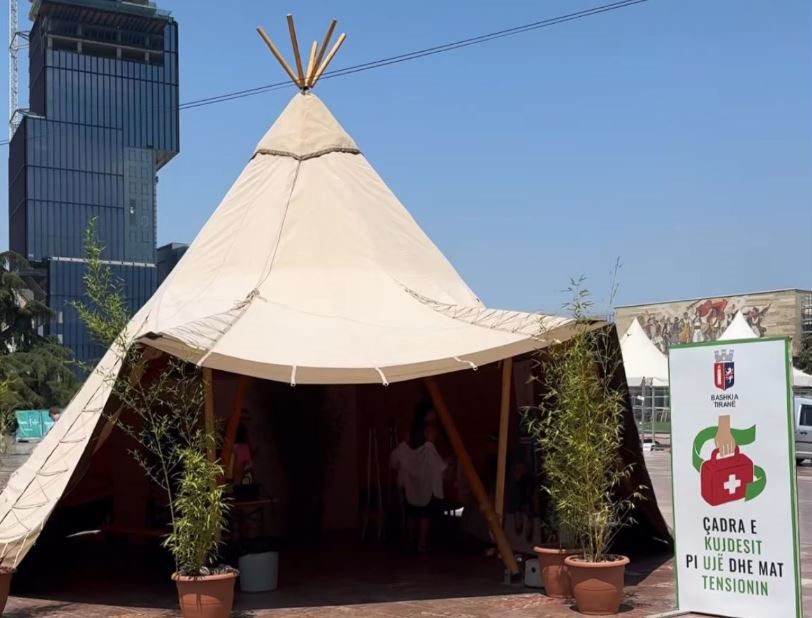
<point x="399" y="589"/>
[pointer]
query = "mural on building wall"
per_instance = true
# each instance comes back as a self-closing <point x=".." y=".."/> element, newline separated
<point x="701" y="320"/>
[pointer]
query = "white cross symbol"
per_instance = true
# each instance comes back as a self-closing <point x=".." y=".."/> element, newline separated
<point x="732" y="484"/>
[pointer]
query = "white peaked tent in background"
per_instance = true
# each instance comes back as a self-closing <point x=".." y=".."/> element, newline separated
<point x="310" y="271"/>
<point x="641" y="358"/>
<point x="801" y="379"/>
<point x="740" y="329"/>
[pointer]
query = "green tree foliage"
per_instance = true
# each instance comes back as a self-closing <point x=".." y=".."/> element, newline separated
<point x="805" y="357"/>
<point x="38" y="378"/>
<point x="20" y="313"/>
<point x="7" y="420"/>
<point x="36" y="371"/>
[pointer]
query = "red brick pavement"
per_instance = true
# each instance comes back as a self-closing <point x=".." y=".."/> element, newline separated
<point x="654" y="594"/>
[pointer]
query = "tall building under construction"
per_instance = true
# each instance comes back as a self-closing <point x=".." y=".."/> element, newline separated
<point x="102" y="120"/>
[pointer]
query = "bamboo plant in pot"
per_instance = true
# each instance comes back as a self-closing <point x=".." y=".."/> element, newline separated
<point x="164" y="419"/>
<point x="204" y="590"/>
<point x="162" y="415"/>
<point x="578" y="427"/>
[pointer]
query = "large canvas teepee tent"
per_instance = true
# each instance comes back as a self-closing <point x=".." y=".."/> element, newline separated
<point x="310" y="271"/>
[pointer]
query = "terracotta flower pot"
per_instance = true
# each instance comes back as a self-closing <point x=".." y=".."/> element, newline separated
<point x="208" y="596"/>
<point x="554" y="571"/>
<point x="597" y="586"/>
<point x="5" y="583"/>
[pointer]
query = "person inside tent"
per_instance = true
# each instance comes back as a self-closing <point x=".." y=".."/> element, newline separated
<point x="242" y="464"/>
<point x="420" y="472"/>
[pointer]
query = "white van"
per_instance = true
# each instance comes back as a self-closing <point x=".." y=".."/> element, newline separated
<point x="803" y="429"/>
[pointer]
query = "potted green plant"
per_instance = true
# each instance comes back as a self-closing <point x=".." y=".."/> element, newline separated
<point x="163" y="418"/>
<point x="579" y="428"/>
<point x="555" y="547"/>
<point x="204" y="591"/>
<point x="174" y="451"/>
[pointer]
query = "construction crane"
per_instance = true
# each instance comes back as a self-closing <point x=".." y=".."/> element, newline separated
<point x="17" y="40"/>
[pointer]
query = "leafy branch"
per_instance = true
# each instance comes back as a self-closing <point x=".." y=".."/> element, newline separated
<point x="162" y="407"/>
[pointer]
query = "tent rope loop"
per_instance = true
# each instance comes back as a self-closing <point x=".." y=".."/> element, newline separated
<point x="249" y="298"/>
<point x="471" y="364"/>
<point x="46" y="473"/>
<point x="384" y="381"/>
<point x="21" y="547"/>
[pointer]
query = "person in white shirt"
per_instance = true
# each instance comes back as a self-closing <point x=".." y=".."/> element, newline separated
<point x="420" y="473"/>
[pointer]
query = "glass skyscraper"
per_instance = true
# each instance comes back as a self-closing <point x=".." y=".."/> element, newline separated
<point x="103" y="119"/>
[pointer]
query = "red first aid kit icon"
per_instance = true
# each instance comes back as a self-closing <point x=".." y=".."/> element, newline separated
<point x="726" y="479"/>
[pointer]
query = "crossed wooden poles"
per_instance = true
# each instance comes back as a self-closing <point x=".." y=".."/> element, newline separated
<point x="317" y="64"/>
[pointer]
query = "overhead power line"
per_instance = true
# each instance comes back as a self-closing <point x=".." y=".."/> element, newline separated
<point x="414" y="55"/>
<point x="422" y="53"/>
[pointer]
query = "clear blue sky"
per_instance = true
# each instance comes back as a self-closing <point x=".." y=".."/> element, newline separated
<point x="676" y="135"/>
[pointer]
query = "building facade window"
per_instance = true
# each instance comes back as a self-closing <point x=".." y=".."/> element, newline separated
<point x="806" y="314"/>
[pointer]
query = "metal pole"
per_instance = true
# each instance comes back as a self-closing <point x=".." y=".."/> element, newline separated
<point x="13" y="69"/>
<point x="651" y="394"/>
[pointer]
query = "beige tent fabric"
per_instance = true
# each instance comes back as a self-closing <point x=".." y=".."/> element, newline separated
<point x="310" y="271"/>
<point x="35" y="488"/>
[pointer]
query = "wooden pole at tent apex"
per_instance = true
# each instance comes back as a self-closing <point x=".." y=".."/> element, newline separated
<point x="311" y="64"/>
<point x="318" y="63"/>
<point x="208" y="411"/>
<point x="505" y="550"/>
<point x="504" y="430"/>
<point x="294" y="41"/>
<point x="324" y="44"/>
<point x="278" y="55"/>
<point x="320" y="71"/>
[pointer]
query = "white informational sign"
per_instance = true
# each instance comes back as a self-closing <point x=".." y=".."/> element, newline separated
<point x="733" y="462"/>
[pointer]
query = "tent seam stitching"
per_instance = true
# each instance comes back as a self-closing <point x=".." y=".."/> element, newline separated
<point x="305" y="157"/>
<point x="244" y="304"/>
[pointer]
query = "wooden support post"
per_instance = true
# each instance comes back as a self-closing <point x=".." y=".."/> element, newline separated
<point x="208" y="411"/>
<point x="504" y="430"/>
<point x="233" y="424"/>
<point x="474" y="481"/>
